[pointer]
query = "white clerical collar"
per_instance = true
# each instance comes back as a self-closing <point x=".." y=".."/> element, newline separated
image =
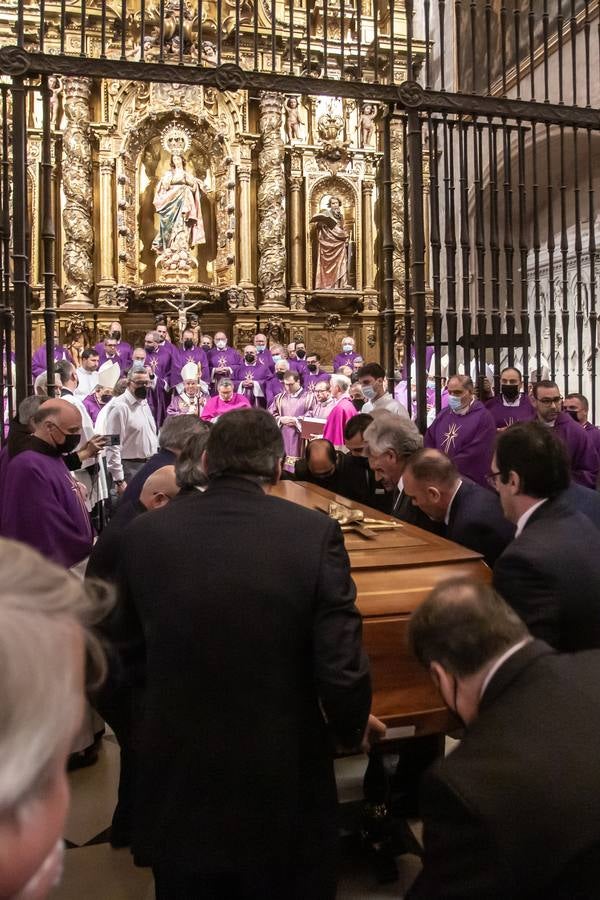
<point x="456" y="489"/>
<point x="506" y="402"/>
<point x="299" y="391"/>
<point x="524" y="519"/>
<point x="500" y="662"/>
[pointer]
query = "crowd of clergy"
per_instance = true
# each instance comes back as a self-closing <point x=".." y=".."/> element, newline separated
<point x="124" y="431"/>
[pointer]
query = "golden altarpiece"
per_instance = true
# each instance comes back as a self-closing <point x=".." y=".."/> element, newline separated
<point x="233" y="210"/>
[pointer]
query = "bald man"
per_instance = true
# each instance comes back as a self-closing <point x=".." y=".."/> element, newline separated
<point x="319" y="466"/>
<point x="41" y="503"/>
<point x="159" y="489"/>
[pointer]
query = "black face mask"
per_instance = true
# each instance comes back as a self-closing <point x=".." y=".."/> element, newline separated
<point x="300" y="354"/>
<point x="358" y="404"/>
<point x="510" y="392"/>
<point x="115" y="335"/>
<point x="312" y="367"/>
<point x="69" y="443"/>
<point x="148" y="348"/>
<point x="104" y="398"/>
<point x="206" y="347"/>
<point x="188" y="345"/>
<point x="280" y="375"/>
<point x="573" y="414"/>
<point x="249" y="358"/>
<point x="140" y="393"/>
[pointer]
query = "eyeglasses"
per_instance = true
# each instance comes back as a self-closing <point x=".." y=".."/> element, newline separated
<point x="492" y="479"/>
<point x="549" y="401"/>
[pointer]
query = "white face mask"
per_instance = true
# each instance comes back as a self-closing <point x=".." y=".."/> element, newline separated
<point x="347" y="348"/>
<point x="220" y="345"/>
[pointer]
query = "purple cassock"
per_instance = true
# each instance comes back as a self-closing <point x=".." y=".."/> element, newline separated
<point x="341" y="413"/>
<point x="181" y="358"/>
<point x="158" y="397"/>
<point x="42" y="506"/>
<point x="216" y="407"/>
<point x="223" y="359"/>
<point x="123" y="361"/>
<point x="593" y="434"/>
<point x="38" y="360"/>
<point x="124" y="353"/>
<point x="310" y="379"/>
<point x="467" y="439"/>
<point x="259" y="375"/>
<point x="345" y="359"/>
<point x="429" y="351"/>
<point x="400" y="394"/>
<point x="283" y="405"/>
<point x="265" y="358"/>
<point x="273" y="386"/>
<point x="505" y="414"/>
<point x="583" y="455"/>
<point x="93" y="406"/>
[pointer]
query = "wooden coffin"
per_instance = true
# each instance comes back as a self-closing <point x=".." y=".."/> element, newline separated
<point x="394" y="571"/>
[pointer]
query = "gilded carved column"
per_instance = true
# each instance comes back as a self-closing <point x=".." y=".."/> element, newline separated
<point x="368" y="250"/>
<point x="77" y="186"/>
<point x="271" y="204"/>
<point x="397" y="170"/>
<point x="244" y="172"/>
<point x="107" y="226"/>
<point x="296" y="242"/>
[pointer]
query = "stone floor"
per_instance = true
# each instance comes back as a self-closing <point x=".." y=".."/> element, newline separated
<point x="94" y="871"/>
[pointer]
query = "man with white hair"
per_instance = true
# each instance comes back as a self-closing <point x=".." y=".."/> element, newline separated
<point x="343" y="410"/>
<point x="348" y="354"/>
<point x="130" y="419"/>
<point x="42" y="699"/>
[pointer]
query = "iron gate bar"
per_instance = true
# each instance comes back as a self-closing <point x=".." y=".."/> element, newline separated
<point x="592" y="258"/>
<point x="578" y="263"/>
<point x="19" y="233"/>
<point x="564" y="249"/>
<point x="389" y="316"/>
<point x="551" y="248"/>
<point x="494" y="250"/>
<point x="450" y="245"/>
<point x="409" y="95"/>
<point x="537" y="314"/>
<point x="47" y="231"/>
<point x="408" y="319"/>
<point x="417" y="265"/>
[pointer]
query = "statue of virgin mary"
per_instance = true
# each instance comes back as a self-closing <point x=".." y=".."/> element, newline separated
<point x="177" y="200"/>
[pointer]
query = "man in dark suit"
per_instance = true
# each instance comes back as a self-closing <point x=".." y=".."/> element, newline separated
<point x="550" y="572"/>
<point x="390" y="441"/>
<point x="240" y="649"/>
<point x="511" y="812"/>
<point x="472" y="515"/>
<point x="584" y="500"/>
<point x="357" y="478"/>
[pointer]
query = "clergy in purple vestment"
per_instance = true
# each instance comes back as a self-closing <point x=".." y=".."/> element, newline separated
<point x="511" y="404"/>
<point x="225" y="401"/>
<point x="296" y="355"/>
<point x="41" y="503"/>
<point x="315" y="373"/>
<point x="348" y="354"/>
<point x="274" y="384"/>
<point x="38" y="360"/>
<point x="582" y="453"/>
<point x="110" y="353"/>
<point x="222" y="359"/>
<point x="429" y="351"/>
<point x="159" y="360"/>
<point x="250" y="378"/>
<point x="123" y="348"/>
<point x="288" y="408"/>
<point x="103" y="392"/>
<point x="187" y="353"/>
<point x="342" y="412"/>
<point x="263" y="355"/>
<point x="464" y="431"/>
<point x="324" y="402"/>
<point x="578" y="408"/>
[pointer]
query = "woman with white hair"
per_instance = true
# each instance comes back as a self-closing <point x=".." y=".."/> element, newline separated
<point x="343" y="410"/>
<point x="44" y="612"/>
